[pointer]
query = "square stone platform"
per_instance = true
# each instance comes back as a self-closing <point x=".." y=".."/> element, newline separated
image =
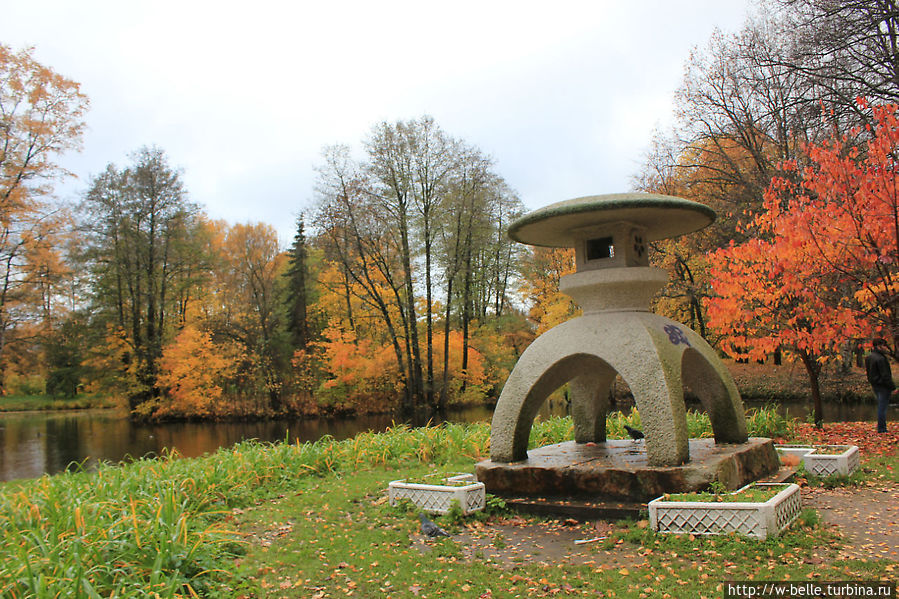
<point x="618" y="470"/>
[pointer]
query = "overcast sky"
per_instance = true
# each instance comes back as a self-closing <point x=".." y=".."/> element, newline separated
<point x="243" y="96"/>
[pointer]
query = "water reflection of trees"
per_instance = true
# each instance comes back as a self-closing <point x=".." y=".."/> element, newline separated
<point x="34" y="444"/>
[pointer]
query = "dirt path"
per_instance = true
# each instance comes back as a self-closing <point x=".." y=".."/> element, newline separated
<point x="516" y="541"/>
<point x="868" y="516"/>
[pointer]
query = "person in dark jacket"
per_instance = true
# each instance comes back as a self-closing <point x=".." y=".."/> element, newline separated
<point x="877" y="366"/>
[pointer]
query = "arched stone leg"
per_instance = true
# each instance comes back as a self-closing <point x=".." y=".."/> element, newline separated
<point x="700" y="369"/>
<point x="659" y="397"/>
<point x="718" y="395"/>
<point x="528" y="386"/>
<point x="590" y="404"/>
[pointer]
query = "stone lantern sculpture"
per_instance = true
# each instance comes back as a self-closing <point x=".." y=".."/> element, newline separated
<point x="617" y="334"/>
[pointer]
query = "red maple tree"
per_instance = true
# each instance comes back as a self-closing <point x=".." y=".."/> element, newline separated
<point x="822" y="269"/>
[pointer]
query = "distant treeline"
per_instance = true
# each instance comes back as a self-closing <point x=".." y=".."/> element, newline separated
<point x="401" y="291"/>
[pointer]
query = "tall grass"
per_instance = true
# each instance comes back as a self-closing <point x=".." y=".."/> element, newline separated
<point x="160" y="527"/>
<point x="760" y="422"/>
<point x="767" y="422"/>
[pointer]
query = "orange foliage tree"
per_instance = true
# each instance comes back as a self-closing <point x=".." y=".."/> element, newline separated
<point x="192" y="370"/>
<point x="357" y="360"/>
<point x="466" y="377"/>
<point x="360" y="374"/>
<point x="764" y="303"/>
<point x="842" y="213"/>
<point x="822" y="270"/>
<point x="500" y="344"/>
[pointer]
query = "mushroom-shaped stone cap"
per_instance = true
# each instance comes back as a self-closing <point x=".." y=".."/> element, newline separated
<point x="661" y="216"/>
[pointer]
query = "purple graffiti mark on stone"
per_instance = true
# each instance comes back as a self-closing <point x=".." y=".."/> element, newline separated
<point x="676" y="336"/>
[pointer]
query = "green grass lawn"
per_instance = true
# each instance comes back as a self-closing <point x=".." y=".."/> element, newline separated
<point x="312" y="520"/>
<point x="337" y="537"/>
<point x="23" y="403"/>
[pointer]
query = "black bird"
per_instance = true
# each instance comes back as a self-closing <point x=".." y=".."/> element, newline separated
<point x="430" y="529"/>
<point x="634" y="433"/>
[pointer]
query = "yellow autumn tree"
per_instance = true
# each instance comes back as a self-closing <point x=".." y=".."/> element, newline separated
<point x="250" y="277"/>
<point x="499" y="348"/>
<point x="542" y="272"/>
<point x="41" y="117"/>
<point x="360" y="374"/>
<point x="465" y="385"/>
<point x="192" y="371"/>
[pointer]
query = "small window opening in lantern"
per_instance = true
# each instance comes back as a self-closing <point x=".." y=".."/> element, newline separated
<point x="597" y="249"/>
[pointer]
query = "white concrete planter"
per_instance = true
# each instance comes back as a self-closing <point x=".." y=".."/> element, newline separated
<point x="821" y="464"/>
<point x="437" y="499"/>
<point x="797" y="450"/>
<point x="759" y="520"/>
<point x="825" y="464"/>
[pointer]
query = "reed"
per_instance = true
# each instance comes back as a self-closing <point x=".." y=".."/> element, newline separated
<point x="760" y="422"/>
<point x="768" y="422"/>
<point x="125" y="532"/>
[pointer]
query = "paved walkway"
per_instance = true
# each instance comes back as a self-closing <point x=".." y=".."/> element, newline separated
<point x="868" y="516"/>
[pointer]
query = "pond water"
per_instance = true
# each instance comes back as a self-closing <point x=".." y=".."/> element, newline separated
<point x="37" y="443"/>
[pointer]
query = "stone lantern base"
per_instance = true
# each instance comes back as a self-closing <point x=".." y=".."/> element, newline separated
<point x="619" y="470"/>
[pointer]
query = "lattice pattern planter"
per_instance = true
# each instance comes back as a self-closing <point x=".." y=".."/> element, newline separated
<point x="437" y="499"/>
<point x="759" y="520"/>
<point x="844" y="463"/>
<point x="825" y="464"/>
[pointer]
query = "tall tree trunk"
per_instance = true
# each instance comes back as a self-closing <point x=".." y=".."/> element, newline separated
<point x="414" y="348"/>
<point x="813" y="369"/>
<point x="682" y="268"/>
<point x="429" y="320"/>
<point x="347" y="296"/>
<point x="466" y="311"/>
<point x="4" y="322"/>
<point x="507" y="273"/>
<point x="2" y="349"/>
<point x="152" y="340"/>
<point x="444" y="388"/>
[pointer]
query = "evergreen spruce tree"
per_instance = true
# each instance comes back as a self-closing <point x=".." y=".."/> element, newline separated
<point x="296" y="289"/>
